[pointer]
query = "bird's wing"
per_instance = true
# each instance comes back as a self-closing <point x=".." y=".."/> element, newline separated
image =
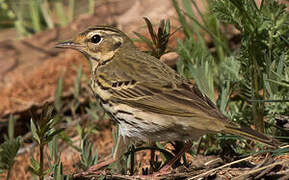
<point x="153" y="86"/>
<point x="165" y="100"/>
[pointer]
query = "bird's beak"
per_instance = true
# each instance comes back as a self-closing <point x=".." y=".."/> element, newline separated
<point x="68" y="44"/>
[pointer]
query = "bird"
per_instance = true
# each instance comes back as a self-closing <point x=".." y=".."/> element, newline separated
<point x="146" y="98"/>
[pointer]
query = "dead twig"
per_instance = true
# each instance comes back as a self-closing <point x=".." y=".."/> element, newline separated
<point x="260" y="169"/>
<point x="221" y="167"/>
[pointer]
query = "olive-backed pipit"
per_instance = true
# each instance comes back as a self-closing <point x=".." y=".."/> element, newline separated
<point x="148" y="99"/>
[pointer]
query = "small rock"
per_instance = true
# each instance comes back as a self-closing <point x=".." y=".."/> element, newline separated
<point x="170" y="59"/>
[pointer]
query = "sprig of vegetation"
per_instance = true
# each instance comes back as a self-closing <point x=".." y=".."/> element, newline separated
<point x="249" y="79"/>
<point x="196" y="59"/>
<point x="9" y="149"/>
<point x="58" y="94"/>
<point x="88" y="158"/>
<point x="43" y="131"/>
<point x="264" y="32"/>
<point x="159" y="40"/>
<point x="14" y="13"/>
<point x="58" y="173"/>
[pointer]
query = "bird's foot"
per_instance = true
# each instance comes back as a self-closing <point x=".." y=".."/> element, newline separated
<point x="101" y="165"/>
<point x="89" y="173"/>
<point x="156" y="175"/>
<point x="96" y="169"/>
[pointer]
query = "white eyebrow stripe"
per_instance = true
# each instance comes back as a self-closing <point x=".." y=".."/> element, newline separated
<point x="101" y="32"/>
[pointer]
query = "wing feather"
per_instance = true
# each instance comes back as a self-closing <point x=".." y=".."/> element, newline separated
<point x="157" y="88"/>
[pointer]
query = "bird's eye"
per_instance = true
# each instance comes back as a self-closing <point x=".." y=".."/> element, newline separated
<point x="95" y="39"/>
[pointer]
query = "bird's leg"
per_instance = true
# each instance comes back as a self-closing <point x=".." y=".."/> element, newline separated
<point x="164" y="170"/>
<point x="120" y="148"/>
<point x="178" y="146"/>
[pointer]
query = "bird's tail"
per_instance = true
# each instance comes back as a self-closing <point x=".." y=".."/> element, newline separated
<point x="253" y="135"/>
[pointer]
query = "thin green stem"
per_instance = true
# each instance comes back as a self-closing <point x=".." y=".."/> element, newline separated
<point x="257" y="83"/>
<point x="182" y="19"/>
<point x="214" y="37"/>
<point x="8" y="173"/>
<point x="195" y="27"/>
<point x="34" y="13"/>
<point x="244" y="14"/>
<point x="71" y="10"/>
<point x="41" y="159"/>
<point x="46" y="14"/>
<point x="200" y="13"/>
<point x="60" y="12"/>
<point x="91" y="6"/>
<point x="17" y="19"/>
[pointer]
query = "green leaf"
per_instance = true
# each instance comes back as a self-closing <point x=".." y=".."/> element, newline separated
<point x="87" y="158"/>
<point x="80" y="131"/>
<point x="35" y="166"/>
<point x="151" y="30"/>
<point x="182" y="19"/>
<point x="223" y="100"/>
<point x="34" y="131"/>
<point x="68" y="141"/>
<point x="59" y="6"/>
<point x="58" y="172"/>
<point x="95" y="157"/>
<point x="101" y="177"/>
<point x="163" y="156"/>
<point x="11" y="127"/>
<point x="77" y="82"/>
<point x="52" y="133"/>
<point x="33" y="171"/>
<point x="53" y="150"/>
<point x="34" y="15"/>
<point x="168" y="27"/>
<point x="285" y="84"/>
<point x="58" y="95"/>
<point x="8" y="152"/>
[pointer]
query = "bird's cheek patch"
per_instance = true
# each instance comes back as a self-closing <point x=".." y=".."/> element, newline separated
<point x="116" y="45"/>
<point x="117" y="42"/>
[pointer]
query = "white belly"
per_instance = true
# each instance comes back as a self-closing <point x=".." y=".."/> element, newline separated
<point x="139" y="125"/>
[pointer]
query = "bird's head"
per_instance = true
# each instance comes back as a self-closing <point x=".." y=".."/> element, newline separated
<point x="98" y="43"/>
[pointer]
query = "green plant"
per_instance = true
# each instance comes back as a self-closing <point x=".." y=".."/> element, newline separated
<point x="43" y="131"/>
<point x="58" y="173"/>
<point x="33" y="16"/>
<point x="159" y="40"/>
<point x="197" y="61"/>
<point x="251" y="82"/>
<point x="87" y="157"/>
<point x="9" y="149"/>
<point x="264" y="41"/>
<point x="58" y="102"/>
<point x="91" y="6"/>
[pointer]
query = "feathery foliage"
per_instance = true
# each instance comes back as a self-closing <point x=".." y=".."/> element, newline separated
<point x="9" y="149"/>
<point x="251" y="81"/>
